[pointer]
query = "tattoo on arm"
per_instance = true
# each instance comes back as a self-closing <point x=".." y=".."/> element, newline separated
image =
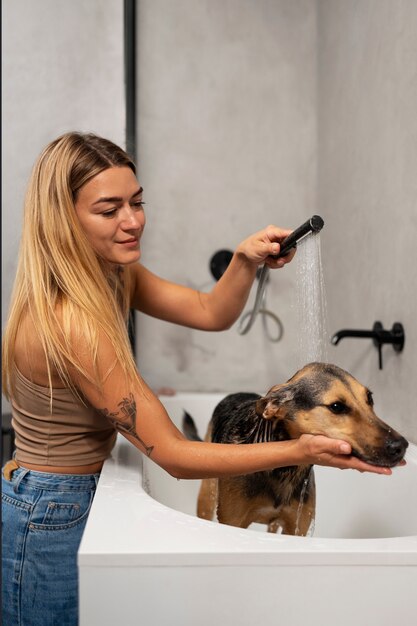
<point x="128" y="422"/>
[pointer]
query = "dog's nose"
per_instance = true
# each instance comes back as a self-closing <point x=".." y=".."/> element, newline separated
<point x="396" y="448"/>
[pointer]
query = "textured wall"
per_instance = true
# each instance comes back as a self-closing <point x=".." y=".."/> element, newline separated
<point x="62" y="67"/>
<point x="251" y="113"/>
<point x="227" y="145"/>
<point x="368" y="188"/>
<point x="240" y="103"/>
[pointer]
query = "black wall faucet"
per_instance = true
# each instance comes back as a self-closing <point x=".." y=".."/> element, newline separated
<point x="395" y="337"/>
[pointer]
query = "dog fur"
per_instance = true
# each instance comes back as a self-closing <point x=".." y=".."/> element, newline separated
<point x="320" y="399"/>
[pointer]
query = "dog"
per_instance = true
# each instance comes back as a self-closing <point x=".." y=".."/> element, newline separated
<point x="320" y="399"/>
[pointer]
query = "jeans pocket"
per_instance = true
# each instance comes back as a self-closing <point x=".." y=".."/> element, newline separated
<point x="61" y="511"/>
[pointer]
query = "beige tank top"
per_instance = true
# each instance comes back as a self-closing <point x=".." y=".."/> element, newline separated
<point x="71" y="434"/>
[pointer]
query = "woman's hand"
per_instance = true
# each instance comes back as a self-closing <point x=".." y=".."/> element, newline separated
<point x="321" y="450"/>
<point x="263" y="246"/>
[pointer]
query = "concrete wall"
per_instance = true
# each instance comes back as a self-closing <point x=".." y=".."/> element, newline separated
<point x="251" y="113"/>
<point x="63" y="70"/>
<point x="226" y="146"/>
<point x="248" y="113"/>
<point x="368" y="188"/>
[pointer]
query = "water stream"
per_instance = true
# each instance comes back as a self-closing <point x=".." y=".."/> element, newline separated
<point x="303" y="495"/>
<point x="313" y="336"/>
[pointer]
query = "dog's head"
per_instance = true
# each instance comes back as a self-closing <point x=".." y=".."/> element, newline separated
<point x="322" y="399"/>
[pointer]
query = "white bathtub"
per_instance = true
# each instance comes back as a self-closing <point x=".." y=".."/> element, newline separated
<point x="146" y="559"/>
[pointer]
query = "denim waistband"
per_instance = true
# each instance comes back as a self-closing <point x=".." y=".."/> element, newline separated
<point x="55" y="482"/>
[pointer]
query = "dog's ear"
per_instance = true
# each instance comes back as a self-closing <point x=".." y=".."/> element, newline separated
<point x="273" y="404"/>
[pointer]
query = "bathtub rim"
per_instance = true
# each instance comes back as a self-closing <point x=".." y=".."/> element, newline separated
<point x="127" y="527"/>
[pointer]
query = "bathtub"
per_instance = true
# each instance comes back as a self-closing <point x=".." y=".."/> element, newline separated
<point x="145" y="557"/>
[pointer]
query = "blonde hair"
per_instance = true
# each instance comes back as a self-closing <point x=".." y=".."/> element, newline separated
<point x="57" y="266"/>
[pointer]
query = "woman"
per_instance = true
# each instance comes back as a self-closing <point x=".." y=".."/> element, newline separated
<point x="71" y="377"/>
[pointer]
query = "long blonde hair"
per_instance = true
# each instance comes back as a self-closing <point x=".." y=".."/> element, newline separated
<point x="57" y="266"/>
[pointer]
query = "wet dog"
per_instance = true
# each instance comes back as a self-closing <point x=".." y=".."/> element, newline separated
<point x="320" y="399"/>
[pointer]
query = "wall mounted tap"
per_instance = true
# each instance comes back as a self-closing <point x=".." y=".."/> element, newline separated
<point x="395" y="337"/>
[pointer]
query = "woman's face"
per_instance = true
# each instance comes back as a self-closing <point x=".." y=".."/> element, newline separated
<point x="110" y="210"/>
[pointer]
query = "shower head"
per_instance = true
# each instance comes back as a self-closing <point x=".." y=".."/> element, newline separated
<point x="313" y="225"/>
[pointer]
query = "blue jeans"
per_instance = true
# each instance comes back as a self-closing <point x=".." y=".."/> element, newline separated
<point x="43" y="519"/>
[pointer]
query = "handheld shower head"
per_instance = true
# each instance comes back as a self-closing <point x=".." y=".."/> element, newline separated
<point x="313" y="225"/>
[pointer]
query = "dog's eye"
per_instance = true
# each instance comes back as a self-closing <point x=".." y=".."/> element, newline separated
<point x="370" y="398"/>
<point x="338" y="408"/>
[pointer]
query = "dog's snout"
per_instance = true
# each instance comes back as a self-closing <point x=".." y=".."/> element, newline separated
<point x="396" y="448"/>
<point x="388" y="454"/>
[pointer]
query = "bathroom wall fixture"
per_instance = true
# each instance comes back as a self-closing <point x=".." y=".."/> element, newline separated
<point x="395" y="337"/>
<point x="219" y="263"/>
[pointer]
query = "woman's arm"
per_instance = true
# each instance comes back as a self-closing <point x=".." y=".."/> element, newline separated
<point x="138" y="414"/>
<point x="220" y="308"/>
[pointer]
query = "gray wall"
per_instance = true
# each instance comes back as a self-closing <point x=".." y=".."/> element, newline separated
<point x="249" y="113"/>
<point x="62" y="67"/>
<point x="227" y="145"/>
<point x="258" y="112"/>
<point x="368" y="188"/>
